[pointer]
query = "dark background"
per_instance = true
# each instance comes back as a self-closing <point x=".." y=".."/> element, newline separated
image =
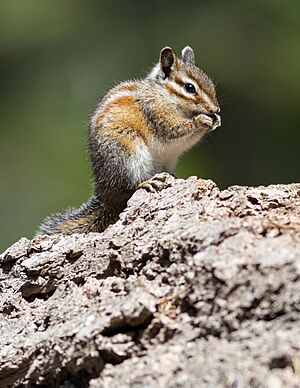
<point x="58" y="57"/>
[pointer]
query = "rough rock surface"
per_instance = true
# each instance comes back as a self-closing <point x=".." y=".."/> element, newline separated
<point x="192" y="287"/>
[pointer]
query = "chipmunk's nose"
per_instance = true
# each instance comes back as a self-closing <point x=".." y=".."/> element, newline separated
<point x="215" y="111"/>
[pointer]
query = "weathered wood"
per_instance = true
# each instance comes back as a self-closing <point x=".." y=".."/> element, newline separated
<point x="192" y="287"/>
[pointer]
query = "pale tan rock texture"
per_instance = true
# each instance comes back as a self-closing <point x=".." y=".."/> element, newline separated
<point x="192" y="287"/>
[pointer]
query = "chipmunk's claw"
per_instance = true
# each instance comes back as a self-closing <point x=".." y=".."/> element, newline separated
<point x="210" y="121"/>
<point x="157" y="183"/>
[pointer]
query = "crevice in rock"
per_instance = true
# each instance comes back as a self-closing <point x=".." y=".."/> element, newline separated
<point x="133" y="331"/>
<point x="114" y="268"/>
<point x="73" y="376"/>
<point x="79" y="281"/>
<point x="31" y="291"/>
<point x="73" y="256"/>
<point x="281" y="362"/>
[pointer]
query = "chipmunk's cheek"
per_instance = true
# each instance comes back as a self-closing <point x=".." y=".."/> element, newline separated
<point x="192" y="111"/>
<point x="188" y="112"/>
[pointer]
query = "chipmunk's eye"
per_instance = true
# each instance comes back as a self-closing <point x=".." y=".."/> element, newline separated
<point x="189" y="88"/>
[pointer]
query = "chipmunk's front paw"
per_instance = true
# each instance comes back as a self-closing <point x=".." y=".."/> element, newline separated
<point x="210" y="121"/>
<point x="203" y="119"/>
<point x="157" y="183"/>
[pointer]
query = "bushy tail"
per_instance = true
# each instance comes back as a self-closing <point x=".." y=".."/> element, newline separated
<point x="92" y="216"/>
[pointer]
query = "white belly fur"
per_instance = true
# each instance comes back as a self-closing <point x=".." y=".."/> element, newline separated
<point x="167" y="154"/>
<point x="158" y="157"/>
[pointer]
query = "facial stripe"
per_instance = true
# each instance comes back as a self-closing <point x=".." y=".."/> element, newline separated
<point x="207" y="101"/>
<point x="206" y="84"/>
<point x="211" y="97"/>
<point x="173" y="88"/>
<point x="182" y="80"/>
<point x="179" y="80"/>
<point x="206" y="98"/>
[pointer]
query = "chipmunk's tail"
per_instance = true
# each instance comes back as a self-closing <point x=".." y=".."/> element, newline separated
<point x="92" y="216"/>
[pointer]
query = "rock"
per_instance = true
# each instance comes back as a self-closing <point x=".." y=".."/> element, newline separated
<point x="192" y="287"/>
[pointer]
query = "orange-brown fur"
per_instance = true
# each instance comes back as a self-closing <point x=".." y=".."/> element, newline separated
<point x="129" y="86"/>
<point x="122" y="119"/>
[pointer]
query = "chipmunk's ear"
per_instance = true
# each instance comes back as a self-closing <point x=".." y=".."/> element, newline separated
<point x="167" y="60"/>
<point x="187" y="55"/>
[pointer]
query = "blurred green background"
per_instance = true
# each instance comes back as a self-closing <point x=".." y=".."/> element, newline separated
<point x="58" y="57"/>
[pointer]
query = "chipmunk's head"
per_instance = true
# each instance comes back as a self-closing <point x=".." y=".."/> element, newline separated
<point x="188" y="86"/>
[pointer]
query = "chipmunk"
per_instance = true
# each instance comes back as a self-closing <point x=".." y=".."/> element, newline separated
<point x="137" y="132"/>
